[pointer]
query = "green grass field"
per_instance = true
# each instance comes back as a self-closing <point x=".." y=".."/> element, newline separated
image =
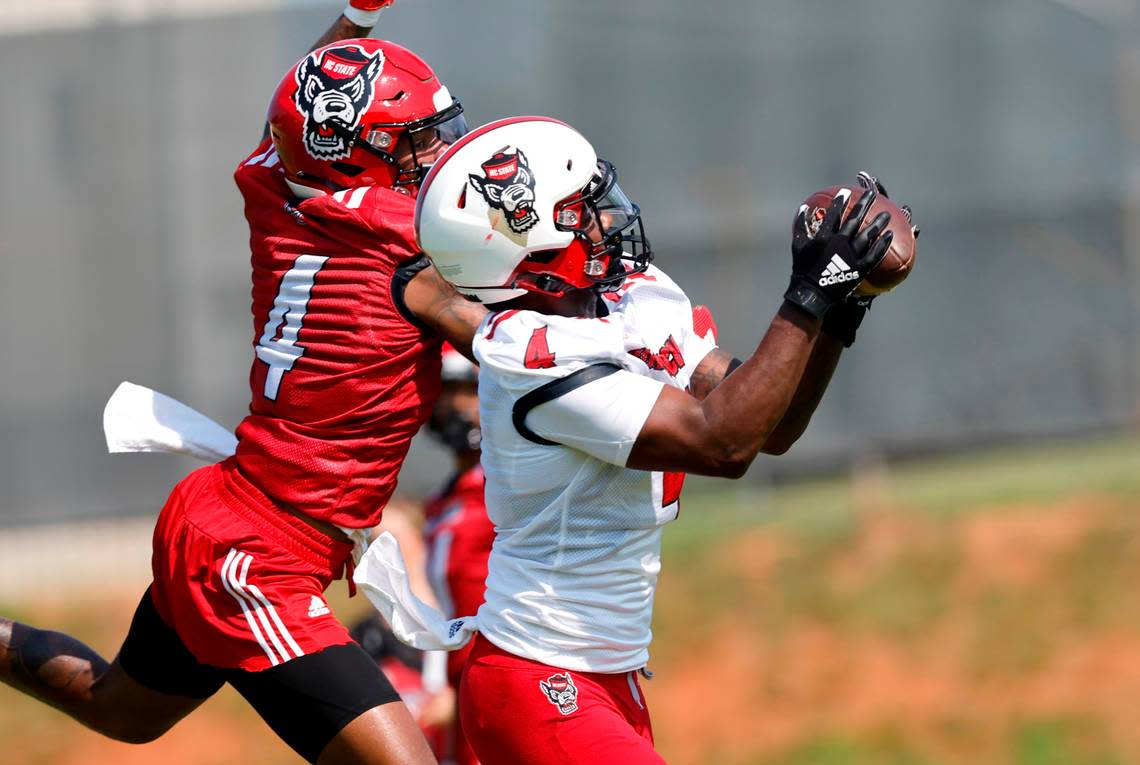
<point x="977" y="609"/>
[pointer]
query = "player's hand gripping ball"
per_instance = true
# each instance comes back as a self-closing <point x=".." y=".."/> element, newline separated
<point x="899" y="260"/>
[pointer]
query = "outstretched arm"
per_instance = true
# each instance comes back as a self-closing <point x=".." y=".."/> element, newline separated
<point x="766" y="398"/>
<point x="722" y="434"/>
<point x="837" y="332"/>
<point x="357" y="20"/>
<point x="813" y="382"/>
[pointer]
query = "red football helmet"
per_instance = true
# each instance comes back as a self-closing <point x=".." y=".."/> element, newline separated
<point x="362" y="113"/>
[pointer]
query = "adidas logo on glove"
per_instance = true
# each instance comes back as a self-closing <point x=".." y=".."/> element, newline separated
<point x="837" y="272"/>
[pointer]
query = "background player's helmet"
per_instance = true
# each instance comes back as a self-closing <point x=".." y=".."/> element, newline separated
<point x="525" y="204"/>
<point x="450" y="424"/>
<point x="455" y="367"/>
<point x="345" y="112"/>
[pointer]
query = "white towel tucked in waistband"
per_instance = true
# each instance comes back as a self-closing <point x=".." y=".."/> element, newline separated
<point x="138" y="419"/>
<point x="382" y="576"/>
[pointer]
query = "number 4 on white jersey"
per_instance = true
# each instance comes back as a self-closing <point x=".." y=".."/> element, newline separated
<point x="289" y="307"/>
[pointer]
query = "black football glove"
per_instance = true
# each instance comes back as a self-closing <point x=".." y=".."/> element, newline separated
<point x="843" y="320"/>
<point x="828" y="263"/>
<point x="868" y="181"/>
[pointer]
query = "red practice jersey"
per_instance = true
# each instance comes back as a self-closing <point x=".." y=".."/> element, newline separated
<point x="459" y="536"/>
<point x="342" y="377"/>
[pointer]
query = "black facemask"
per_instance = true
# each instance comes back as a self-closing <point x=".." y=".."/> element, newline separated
<point x="456" y="432"/>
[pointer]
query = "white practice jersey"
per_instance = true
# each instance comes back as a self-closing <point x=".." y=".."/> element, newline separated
<point x="578" y="535"/>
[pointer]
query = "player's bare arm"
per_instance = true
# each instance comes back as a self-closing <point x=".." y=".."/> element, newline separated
<point x="722" y="434"/>
<point x="718" y="364"/>
<point x="437" y="304"/>
<point x="341" y="29"/>
<point x="809" y="393"/>
<point x="711" y="372"/>
<point x="357" y="20"/>
<point x="838" y="330"/>
<point x="839" y="327"/>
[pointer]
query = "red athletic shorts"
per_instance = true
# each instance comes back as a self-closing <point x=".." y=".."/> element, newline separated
<point x="520" y="712"/>
<point x="239" y="581"/>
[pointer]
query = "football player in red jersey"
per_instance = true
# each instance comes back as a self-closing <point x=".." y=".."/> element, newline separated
<point x="347" y="319"/>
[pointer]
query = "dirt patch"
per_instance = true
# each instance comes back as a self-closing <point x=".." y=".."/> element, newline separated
<point x="1026" y="617"/>
<point x="945" y="691"/>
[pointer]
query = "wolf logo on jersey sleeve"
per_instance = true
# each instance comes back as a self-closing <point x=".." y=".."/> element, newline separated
<point x="657" y="317"/>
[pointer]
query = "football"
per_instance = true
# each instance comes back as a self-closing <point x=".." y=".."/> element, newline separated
<point x="899" y="261"/>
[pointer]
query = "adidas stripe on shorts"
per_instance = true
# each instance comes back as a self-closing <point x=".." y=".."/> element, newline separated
<point x="241" y="583"/>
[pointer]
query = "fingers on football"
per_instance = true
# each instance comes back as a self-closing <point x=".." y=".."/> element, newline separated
<point x="868" y="181"/>
<point x="799" y="228"/>
<point x="855" y="219"/>
<point x="871" y="232"/>
<point x="878" y="251"/>
<point x="834" y="215"/>
<point x="909" y="213"/>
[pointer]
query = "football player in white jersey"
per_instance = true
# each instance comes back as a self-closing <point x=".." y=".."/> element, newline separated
<point x="596" y="396"/>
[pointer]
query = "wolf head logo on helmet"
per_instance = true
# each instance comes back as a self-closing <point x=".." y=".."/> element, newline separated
<point x="561" y="692"/>
<point x="508" y="185"/>
<point x="333" y="93"/>
<point x="578" y="228"/>
<point x="361" y="112"/>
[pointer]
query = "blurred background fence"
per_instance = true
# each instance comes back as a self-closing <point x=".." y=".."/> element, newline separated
<point x="1011" y="126"/>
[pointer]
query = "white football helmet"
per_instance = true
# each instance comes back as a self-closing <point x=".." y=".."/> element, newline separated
<point x="524" y="204"/>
